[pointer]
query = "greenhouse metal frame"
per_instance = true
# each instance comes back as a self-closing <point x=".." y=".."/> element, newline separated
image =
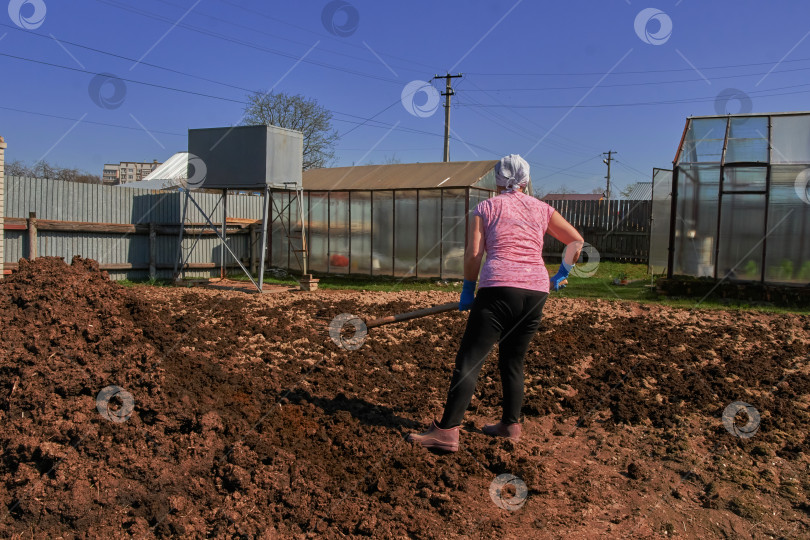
<point x="740" y="202"/>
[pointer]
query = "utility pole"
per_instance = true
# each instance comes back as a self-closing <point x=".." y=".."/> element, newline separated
<point x="447" y="93"/>
<point x="607" y="161"/>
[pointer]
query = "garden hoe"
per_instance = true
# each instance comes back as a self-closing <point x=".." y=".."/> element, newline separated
<point x="336" y="327"/>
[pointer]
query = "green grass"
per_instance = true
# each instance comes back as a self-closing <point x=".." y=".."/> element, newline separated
<point x="639" y="289"/>
<point x="600" y="284"/>
<point x="365" y="283"/>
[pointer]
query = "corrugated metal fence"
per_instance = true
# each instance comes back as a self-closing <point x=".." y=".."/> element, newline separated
<point x="619" y="230"/>
<point x="125" y="251"/>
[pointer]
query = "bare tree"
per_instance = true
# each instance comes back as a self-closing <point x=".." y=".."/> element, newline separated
<point x="43" y="169"/>
<point x="628" y="189"/>
<point x="562" y="190"/>
<point x="18" y="168"/>
<point x="299" y="113"/>
<point x="391" y="159"/>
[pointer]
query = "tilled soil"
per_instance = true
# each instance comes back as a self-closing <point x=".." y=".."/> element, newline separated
<point x="237" y="415"/>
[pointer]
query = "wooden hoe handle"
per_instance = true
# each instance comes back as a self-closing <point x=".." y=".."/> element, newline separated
<point x="412" y="314"/>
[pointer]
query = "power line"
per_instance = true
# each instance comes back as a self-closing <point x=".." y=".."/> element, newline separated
<point x="92" y="122"/>
<point x="365" y="121"/>
<point x="106" y="124"/>
<point x="761" y="93"/>
<point x="248" y="44"/>
<point x="597" y="73"/>
<point x="569" y="168"/>
<point x="510" y="128"/>
<point x="632" y="169"/>
<point x="335" y="39"/>
<point x="133" y="81"/>
<point x="623" y="85"/>
<point x="121" y="57"/>
<point x="357" y="124"/>
<point x="219" y="19"/>
<point x="567" y="147"/>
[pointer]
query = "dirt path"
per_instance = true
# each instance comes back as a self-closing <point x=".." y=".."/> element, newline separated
<point x="246" y="419"/>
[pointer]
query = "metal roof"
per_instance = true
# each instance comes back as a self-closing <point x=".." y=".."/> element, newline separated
<point x="573" y="197"/>
<point x="641" y="191"/>
<point x="403" y="176"/>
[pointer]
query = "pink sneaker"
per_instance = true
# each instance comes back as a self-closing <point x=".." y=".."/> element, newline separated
<point x="437" y="438"/>
<point x="510" y="431"/>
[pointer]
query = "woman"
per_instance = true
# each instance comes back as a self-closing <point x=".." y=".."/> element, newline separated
<point x="507" y="311"/>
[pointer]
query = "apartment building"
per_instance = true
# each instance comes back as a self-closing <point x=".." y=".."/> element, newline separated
<point x="127" y="171"/>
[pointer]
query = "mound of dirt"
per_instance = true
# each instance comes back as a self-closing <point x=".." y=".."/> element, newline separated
<point x="68" y="333"/>
<point x="169" y="412"/>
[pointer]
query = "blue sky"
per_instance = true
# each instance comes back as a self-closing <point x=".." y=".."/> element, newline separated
<point x="558" y="82"/>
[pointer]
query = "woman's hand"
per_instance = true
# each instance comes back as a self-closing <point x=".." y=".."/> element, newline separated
<point x="560" y="279"/>
<point x="467" y="295"/>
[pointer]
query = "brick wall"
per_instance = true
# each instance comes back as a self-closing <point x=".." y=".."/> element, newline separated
<point x="2" y="203"/>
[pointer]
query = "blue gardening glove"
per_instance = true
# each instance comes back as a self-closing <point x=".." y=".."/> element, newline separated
<point x="467" y="295"/>
<point x="560" y="276"/>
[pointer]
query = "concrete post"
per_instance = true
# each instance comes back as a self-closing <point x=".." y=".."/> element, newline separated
<point x="3" y="146"/>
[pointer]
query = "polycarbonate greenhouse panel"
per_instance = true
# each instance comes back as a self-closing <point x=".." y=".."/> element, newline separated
<point x="747" y="140"/>
<point x="361" y="232"/>
<point x="704" y="141"/>
<point x="453" y="233"/>
<point x="696" y="226"/>
<point x="741" y="233"/>
<point x="405" y="233"/>
<point x="659" y="229"/>
<point x="382" y="260"/>
<point x="338" y="232"/>
<point x="791" y="139"/>
<point x="430" y="233"/>
<point x="278" y="234"/>
<point x="787" y="258"/>
<point x="318" y="231"/>
<point x="744" y="178"/>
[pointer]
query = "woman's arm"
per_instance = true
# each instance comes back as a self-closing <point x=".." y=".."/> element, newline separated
<point x="563" y="231"/>
<point x="475" y="249"/>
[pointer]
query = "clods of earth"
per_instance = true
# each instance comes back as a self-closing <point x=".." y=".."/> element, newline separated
<point x="163" y="412"/>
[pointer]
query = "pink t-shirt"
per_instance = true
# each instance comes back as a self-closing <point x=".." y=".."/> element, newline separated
<point x="514" y="225"/>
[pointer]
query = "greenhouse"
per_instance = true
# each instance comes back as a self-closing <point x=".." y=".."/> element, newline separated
<point x="405" y="220"/>
<point x="741" y="207"/>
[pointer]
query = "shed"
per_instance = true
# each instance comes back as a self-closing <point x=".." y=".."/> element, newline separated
<point x="740" y="200"/>
<point x="405" y="220"/>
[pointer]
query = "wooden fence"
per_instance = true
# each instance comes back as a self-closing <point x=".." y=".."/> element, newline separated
<point x="618" y="230"/>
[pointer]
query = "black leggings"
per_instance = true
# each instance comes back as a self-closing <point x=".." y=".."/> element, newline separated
<point x="509" y="317"/>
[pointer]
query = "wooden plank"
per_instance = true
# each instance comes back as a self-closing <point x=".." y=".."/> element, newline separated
<point x="15" y="224"/>
<point x="32" y="235"/>
<point x="103" y="228"/>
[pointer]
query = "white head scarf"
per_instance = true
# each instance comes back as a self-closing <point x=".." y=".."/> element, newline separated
<point x="512" y="172"/>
